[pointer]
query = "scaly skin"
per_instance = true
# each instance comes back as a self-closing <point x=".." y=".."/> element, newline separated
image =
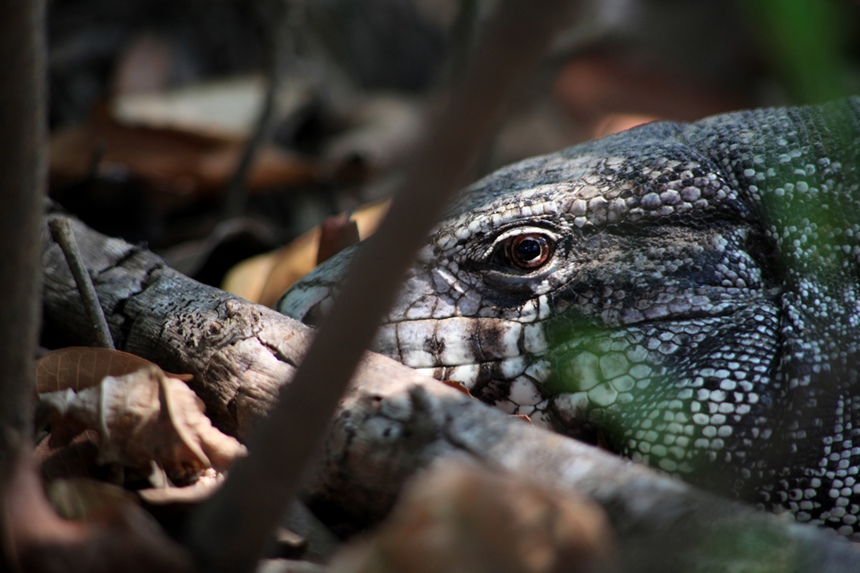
<point x="690" y="291"/>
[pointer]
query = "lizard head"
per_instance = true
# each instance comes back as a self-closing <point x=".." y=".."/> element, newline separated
<point x="692" y="291"/>
<point x="567" y="286"/>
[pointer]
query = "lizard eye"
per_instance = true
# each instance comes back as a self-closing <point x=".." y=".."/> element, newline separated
<point x="528" y="251"/>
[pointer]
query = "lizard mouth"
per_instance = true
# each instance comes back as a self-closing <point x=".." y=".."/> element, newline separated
<point x="514" y="385"/>
<point x="501" y="371"/>
<point x="461" y="342"/>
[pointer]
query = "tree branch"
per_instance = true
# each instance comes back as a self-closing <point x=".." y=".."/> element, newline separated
<point x="393" y="422"/>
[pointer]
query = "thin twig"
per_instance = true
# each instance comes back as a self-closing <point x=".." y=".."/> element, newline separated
<point x="22" y="185"/>
<point x="273" y="16"/>
<point x="23" y="160"/>
<point x="61" y="231"/>
<point x="230" y="532"/>
<point x="463" y="34"/>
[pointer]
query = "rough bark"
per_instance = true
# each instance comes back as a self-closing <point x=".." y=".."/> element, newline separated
<point x="237" y="352"/>
<point x="393" y="422"/>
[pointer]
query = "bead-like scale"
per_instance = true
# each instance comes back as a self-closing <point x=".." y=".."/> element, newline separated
<point x="691" y="292"/>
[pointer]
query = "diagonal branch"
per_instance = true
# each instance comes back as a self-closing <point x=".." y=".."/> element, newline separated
<point x="511" y="47"/>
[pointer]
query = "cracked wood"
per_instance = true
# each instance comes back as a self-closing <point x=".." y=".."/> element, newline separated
<point x="394" y="421"/>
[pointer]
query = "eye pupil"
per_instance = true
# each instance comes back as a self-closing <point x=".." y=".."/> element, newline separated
<point x="528" y="251"/>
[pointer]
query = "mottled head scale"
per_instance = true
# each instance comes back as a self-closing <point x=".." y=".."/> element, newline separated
<point x="688" y="291"/>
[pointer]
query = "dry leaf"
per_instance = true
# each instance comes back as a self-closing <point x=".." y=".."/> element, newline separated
<point x="183" y="163"/>
<point x="225" y="109"/>
<point x="336" y="233"/>
<point x="180" y="496"/>
<point x="264" y="278"/>
<point x="77" y="459"/>
<point x="78" y="367"/>
<point x="83" y="498"/>
<point x="459" y="518"/>
<point x="247" y="279"/>
<point x="142" y="417"/>
<point x="122" y="538"/>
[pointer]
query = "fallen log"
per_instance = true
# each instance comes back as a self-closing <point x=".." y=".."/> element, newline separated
<point x="394" y="422"/>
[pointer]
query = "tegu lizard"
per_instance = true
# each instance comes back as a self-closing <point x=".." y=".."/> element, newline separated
<point x="691" y="292"/>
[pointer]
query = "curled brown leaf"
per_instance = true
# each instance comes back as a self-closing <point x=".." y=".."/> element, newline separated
<point x="144" y="417"/>
<point x="77" y="367"/>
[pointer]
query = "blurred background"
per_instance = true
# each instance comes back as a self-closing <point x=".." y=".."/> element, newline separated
<point x="218" y="130"/>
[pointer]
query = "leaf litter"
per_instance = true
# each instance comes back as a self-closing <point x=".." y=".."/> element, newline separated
<point x="142" y="415"/>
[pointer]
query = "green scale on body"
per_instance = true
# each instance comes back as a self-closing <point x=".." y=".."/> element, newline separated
<point x="689" y="292"/>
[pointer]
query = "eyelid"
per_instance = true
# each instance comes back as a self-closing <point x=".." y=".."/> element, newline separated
<point x="514" y="233"/>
